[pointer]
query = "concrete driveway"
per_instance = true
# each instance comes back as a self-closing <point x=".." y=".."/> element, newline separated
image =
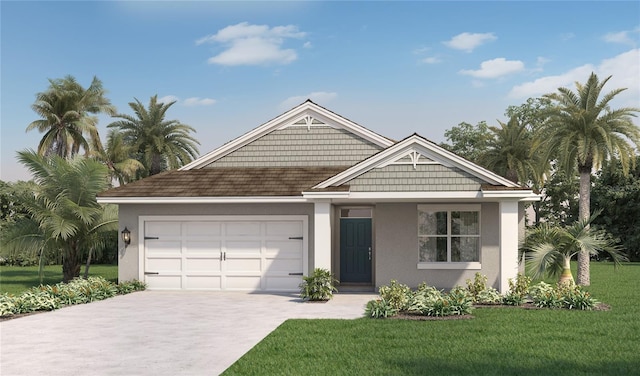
<point x="155" y="333"/>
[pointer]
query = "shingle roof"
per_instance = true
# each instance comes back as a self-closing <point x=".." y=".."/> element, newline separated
<point x="227" y="182"/>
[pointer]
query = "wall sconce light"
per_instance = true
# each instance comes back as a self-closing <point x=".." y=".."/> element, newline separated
<point x="126" y="236"/>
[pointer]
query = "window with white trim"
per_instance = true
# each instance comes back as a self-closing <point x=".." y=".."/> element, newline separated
<point x="449" y="234"/>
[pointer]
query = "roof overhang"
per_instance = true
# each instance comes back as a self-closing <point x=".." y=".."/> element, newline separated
<point x="201" y="200"/>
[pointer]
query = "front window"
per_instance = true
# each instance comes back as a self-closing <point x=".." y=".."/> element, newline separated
<point x="449" y="234"/>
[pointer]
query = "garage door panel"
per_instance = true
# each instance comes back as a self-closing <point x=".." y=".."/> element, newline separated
<point x="163" y="229"/>
<point x="164" y="282"/>
<point x="224" y="255"/>
<point x="243" y="228"/>
<point x="283" y="248"/>
<point x="284" y="228"/>
<point x="164" y="265"/>
<point x="243" y="265"/>
<point x="283" y="265"/>
<point x="202" y="265"/>
<point x="203" y="247"/>
<point x="203" y="229"/>
<point x="203" y="282"/>
<point x="238" y="247"/>
<point x="155" y="247"/>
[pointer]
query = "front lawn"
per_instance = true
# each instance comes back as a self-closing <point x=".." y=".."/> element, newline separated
<point x="498" y="341"/>
<point x="16" y="279"/>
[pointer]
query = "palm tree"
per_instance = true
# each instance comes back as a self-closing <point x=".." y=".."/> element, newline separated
<point x="158" y="144"/>
<point x="512" y="153"/>
<point x="117" y="157"/>
<point x="549" y="248"/>
<point x="582" y="130"/>
<point x="65" y="109"/>
<point x="63" y="215"/>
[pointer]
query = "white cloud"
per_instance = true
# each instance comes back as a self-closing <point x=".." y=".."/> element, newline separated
<point x="195" y="101"/>
<point x="307" y="45"/>
<point x="248" y="44"/>
<point x="495" y="68"/>
<point x="320" y="97"/>
<point x="168" y="99"/>
<point x="469" y="41"/>
<point x="432" y="60"/>
<point x="621" y="37"/>
<point x="623" y="68"/>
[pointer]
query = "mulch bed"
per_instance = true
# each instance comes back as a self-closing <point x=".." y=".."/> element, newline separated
<point x="530" y="306"/>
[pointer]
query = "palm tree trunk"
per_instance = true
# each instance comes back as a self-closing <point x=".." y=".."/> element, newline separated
<point x="566" y="278"/>
<point x="584" y="213"/>
<point x="70" y="264"/>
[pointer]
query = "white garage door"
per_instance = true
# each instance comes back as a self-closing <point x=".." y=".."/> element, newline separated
<point x="244" y="253"/>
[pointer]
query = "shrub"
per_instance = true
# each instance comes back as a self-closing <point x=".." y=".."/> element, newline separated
<point x="489" y="296"/>
<point x="520" y="286"/>
<point x="397" y="294"/>
<point x="478" y="285"/>
<point x="460" y="301"/>
<point x="35" y="300"/>
<point x="379" y="308"/>
<point x="513" y="299"/>
<point x="77" y="291"/>
<point x="319" y="286"/>
<point x="7" y="305"/>
<point x="576" y="298"/>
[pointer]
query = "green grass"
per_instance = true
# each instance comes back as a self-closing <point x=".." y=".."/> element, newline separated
<point x="16" y="279"/>
<point x="498" y="341"/>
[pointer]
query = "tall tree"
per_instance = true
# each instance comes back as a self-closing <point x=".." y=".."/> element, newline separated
<point x="512" y="153"/>
<point x="584" y="131"/>
<point x="117" y="157"/>
<point x="158" y="144"/>
<point x="618" y="197"/>
<point x="467" y="141"/>
<point x="66" y="110"/>
<point x="63" y="215"/>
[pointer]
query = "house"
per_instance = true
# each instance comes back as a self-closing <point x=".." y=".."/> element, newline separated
<point x="312" y="189"/>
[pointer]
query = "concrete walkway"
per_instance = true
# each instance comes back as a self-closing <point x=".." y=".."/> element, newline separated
<point x="155" y="333"/>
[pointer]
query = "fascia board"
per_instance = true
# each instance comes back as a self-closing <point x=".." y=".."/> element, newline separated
<point x="200" y="200"/>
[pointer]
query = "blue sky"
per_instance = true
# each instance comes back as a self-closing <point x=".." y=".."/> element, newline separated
<point x="393" y="67"/>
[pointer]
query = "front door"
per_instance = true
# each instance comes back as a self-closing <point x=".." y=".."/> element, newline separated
<point x="355" y="250"/>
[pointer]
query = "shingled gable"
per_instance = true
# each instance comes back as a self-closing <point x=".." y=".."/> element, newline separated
<point x="308" y="113"/>
<point x="417" y="150"/>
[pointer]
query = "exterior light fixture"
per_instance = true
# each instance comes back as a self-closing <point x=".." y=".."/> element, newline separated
<point x="126" y="236"/>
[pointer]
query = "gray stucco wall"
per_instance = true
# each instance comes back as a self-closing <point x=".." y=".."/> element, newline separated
<point x="299" y="146"/>
<point x="396" y="248"/>
<point x="128" y="259"/>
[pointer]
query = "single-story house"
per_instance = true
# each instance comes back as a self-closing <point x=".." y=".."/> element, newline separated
<point x="312" y="189"/>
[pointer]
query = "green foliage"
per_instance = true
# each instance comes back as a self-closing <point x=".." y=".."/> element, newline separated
<point x="425" y="300"/>
<point x="158" y="144"/>
<point x="559" y="205"/>
<point x="77" y="291"/>
<point x="518" y="290"/>
<point x="617" y="196"/>
<point x="562" y="296"/>
<point x="379" y="309"/>
<point x="65" y="110"/>
<point x="319" y="286"/>
<point x="549" y="248"/>
<point x="63" y="218"/>
<point x="478" y="284"/>
<point x="396" y="294"/>
<point x="468" y="141"/>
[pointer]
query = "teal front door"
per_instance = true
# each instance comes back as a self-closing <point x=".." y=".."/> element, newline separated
<point x="355" y="250"/>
